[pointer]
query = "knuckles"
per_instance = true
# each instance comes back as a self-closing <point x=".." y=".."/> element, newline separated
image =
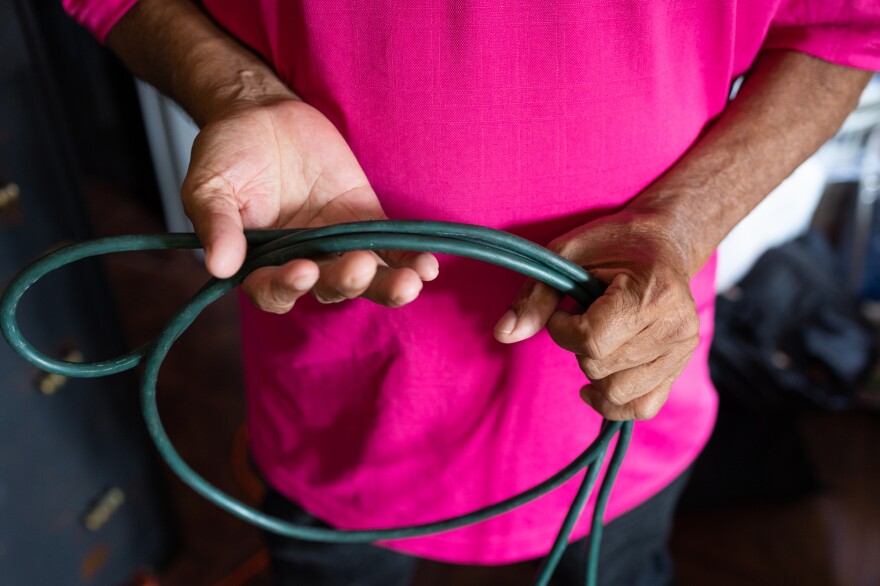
<point x="266" y="302"/>
<point x="613" y="392"/>
<point x="594" y="351"/>
<point x="594" y="369"/>
<point x="617" y="408"/>
<point x="681" y="329"/>
<point x="646" y="410"/>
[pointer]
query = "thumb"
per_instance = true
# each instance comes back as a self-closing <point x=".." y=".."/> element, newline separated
<point x="528" y="313"/>
<point x="216" y="218"/>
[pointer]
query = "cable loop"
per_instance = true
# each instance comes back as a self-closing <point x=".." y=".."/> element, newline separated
<point x="275" y="247"/>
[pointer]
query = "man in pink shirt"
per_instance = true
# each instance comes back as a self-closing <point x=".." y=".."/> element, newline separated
<point x="602" y="131"/>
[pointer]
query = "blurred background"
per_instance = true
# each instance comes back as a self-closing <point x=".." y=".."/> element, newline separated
<point x="785" y="493"/>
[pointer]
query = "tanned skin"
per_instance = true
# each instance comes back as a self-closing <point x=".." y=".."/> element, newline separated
<point x="265" y="159"/>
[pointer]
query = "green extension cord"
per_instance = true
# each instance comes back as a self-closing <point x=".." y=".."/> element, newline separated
<point x="275" y="247"/>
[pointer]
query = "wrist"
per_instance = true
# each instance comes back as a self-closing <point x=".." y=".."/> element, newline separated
<point x="243" y="89"/>
<point x="787" y="107"/>
<point x="218" y="77"/>
<point x="176" y="47"/>
<point x="662" y="224"/>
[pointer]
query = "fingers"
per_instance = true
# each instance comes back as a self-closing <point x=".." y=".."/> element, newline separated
<point x="632" y="343"/>
<point x="345" y="277"/>
<point x="217" y="222"/>
<point x="611" y="321"/>
<point x="640" y="391"/>
<point x="394" y="287"/>
<point x="276" y="289"/>
<point x="528" y="313"/>
<point x="362" y="274"/>
<point x="331" y="280"/>
<point x="424" y="264"/>
<point x="644" y="407"/>
<point x="597" y="361"/>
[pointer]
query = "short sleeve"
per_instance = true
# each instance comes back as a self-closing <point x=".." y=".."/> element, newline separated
<point x="846" y="32"/>
<point x="98" y="16"/>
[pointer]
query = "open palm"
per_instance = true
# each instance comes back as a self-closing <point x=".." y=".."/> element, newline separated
<point x="286" y="166"/>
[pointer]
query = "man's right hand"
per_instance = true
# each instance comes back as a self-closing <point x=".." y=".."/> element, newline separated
<point x="284" y="165"/>
<point x="264" y="159"/>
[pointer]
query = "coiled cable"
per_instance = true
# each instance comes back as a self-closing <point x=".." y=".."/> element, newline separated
<point x="275" y="247"/>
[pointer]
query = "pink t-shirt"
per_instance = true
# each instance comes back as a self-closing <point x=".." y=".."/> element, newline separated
<point x="530" y="117"/>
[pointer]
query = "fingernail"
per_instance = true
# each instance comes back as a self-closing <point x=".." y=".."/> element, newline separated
<point x="507" y="322"/>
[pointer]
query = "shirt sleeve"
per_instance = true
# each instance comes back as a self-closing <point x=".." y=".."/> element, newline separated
<point x="98" y="16"/>
<point x="845" y="32"/>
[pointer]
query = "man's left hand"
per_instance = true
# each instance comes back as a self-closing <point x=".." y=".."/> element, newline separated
<point x="636" y="339"/>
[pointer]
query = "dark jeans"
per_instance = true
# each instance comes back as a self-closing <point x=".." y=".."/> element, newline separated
<point x="633" y="551"/>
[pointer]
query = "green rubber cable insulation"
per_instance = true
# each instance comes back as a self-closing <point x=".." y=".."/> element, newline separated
<point x="275" y="247"/>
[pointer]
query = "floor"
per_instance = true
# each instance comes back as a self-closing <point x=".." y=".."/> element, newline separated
<point x="829" y="537"/>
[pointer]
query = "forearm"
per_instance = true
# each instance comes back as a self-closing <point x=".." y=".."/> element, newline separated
<point x="789" y="105"/>
<point x="174" y="45"/>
